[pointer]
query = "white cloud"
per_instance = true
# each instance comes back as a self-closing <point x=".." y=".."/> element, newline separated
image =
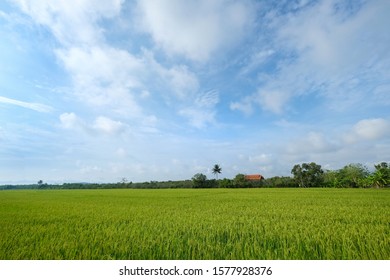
<point x="69" y="120"/>
<point x="273" y="100"/>
<point x="311" y="143"/>
<point x="182" y="80"/>
<point x="194" y="29"/>
<point x="88" y="168"/>
<point x="101" y="125"/>
<point x="177" y="79"/>
<point x="197" y="117"/>
<point x="368" y="130"/>
<point x="29" y="105"/>
<point x="101" y="65"/>
<point x="72" y="21"/>
<point x="324" y="49"/>
<point x="105" y="76"/>
<point x="244" y="106"/>
<point x="256" y="59"/>
<point x="121" y="153"/>
<point x="108" y="126"/>
<point x="207" y="99"/>
<point x="334" y="40"/>
<point x="260" y="158"/>
<point x="202" y="112"/>
<point x="114" y="79"/>
<point x="102" y="75"/>
<point x="365" y="142"/>
<point x="283" y="123"/>
<point x="337" y="51"/>
<point x="145" y="94"/>
<point x="372" y="129"/>
<point x="269" y="100"/>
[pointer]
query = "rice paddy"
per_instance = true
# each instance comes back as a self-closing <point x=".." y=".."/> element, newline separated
<point x="201" y="224"/>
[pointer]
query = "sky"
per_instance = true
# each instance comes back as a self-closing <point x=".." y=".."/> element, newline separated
<point x="98" y="91"/>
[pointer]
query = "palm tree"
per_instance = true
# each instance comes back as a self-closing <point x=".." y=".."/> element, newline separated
<point x="217" y="170"/>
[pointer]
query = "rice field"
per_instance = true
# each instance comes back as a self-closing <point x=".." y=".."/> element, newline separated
<point x="201" y="224"/>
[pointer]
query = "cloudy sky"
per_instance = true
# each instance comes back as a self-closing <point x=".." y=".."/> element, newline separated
<point x="97" y="91"/>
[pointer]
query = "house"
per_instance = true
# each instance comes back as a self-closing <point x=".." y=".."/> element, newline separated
<point x="254" y="177"/>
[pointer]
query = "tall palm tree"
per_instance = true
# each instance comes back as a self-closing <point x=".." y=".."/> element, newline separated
<point x="217" y="170"/>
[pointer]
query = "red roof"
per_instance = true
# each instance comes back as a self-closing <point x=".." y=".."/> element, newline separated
<point x="254" y="177"/>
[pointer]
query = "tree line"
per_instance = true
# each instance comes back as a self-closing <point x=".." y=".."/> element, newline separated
<point x="305" y="175"/>
<point x="350" y="176"/>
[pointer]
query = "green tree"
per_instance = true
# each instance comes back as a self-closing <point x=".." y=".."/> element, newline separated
<point x="381" y="176"/>
<point x="240" y="181"/>
<point x="225" y="183"/>
<point x="280" y="182"/>
<point x="199" y="180"/>
<point x="217" y="170"/>
<point x="332" y="179"/>
<point x="353" y="176"/>
<point x="42" y="185"/>
<point x="308" y="175"/>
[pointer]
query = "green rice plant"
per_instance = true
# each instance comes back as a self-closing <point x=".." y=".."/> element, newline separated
<point x="200" y="224"/>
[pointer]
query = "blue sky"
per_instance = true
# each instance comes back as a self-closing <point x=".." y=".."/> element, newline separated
<point x="97" y="91"/>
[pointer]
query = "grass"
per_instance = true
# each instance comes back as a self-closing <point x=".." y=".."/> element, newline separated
<point x="201" y="224"/>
